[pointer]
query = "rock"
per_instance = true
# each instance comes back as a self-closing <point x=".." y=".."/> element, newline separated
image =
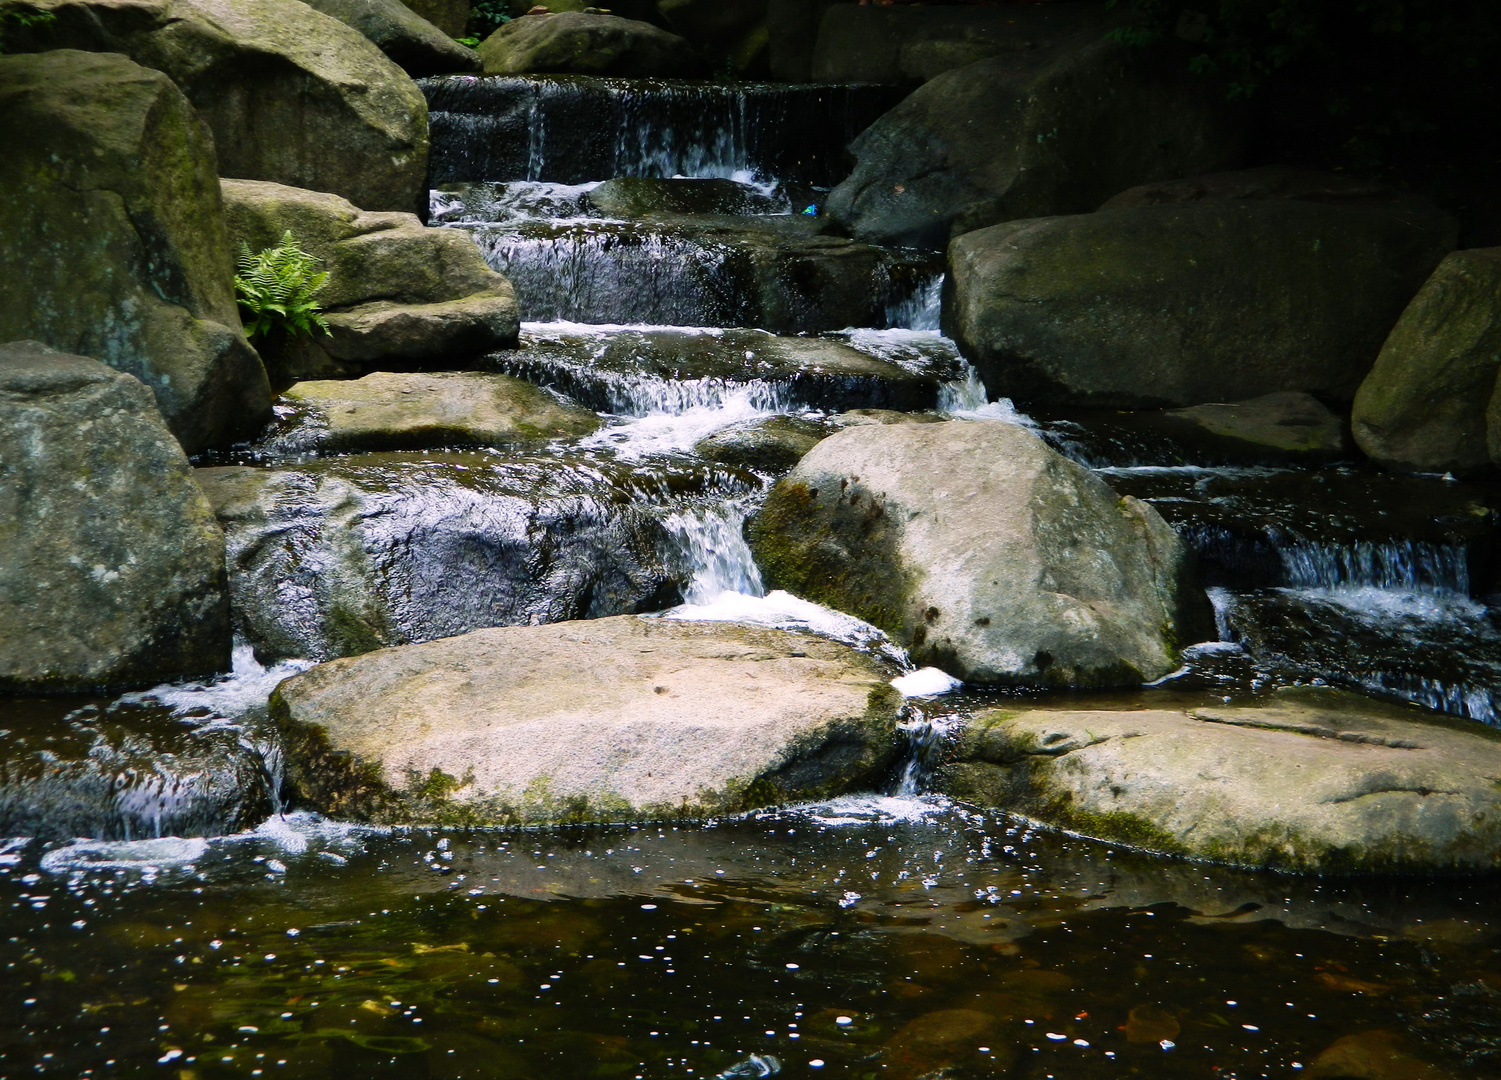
<point x="623" y="719"/>
<point x="112" y="238"/>
<point x="111" y="565"/>
<point x="449" y="16"/>
<point x="1307" y="781"/>
<point x="1180" y="305"/>
<point x="126" y="772"/>
<point x="640" y="196"/>
<point x="1267" y="182"/>
<point x="1422" y="408"/>
<point x="1371" y="1055"/>
<point x="1052" y="131"/>
<point x="341" y="556"/>
<point x="397" y="291"/>
<point x="771" y="444"/>
<point x="582" y="44"/>
<point x="915" y="44"/>
<point x="1288" y="421"/>
<point x="868" y="417"/>
<point x="984" y="553"/>
<point x="391" y="411"/>
<point x="292" y="95"/>
<point x="775" y="272"/>
<point x="733" y="33"/>
<point x="635" y="371"/>
<point x="403" y="35"/>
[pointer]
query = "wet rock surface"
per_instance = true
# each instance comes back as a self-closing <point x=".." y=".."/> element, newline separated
<point x="401" y="411"/>
<point x="775" y="444"/>
<point x="1423" y="406"/>
<point x="589" y="44"/>
<point x="1051" y="131"/>
<point x="291" y="95"/>
<point x="1134" y="308"/>
<point x="339" y="557"/>
<point x="1316" y="782"/>
<point x="630" y="370"/>
<point x="611" y="720"/>
<point x="112" y="240"/>
<point x="111" y="563"/>
<point x="1287" y="422"/>
<point x="397" y="292"/>
<point x="984" y="553"/>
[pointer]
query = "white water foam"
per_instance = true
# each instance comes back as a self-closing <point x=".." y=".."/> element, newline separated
<point x="148" y="856"/>
<point x="926" y="682"/>
<point x="229" y="697"/>
<point x="784" y="611"/>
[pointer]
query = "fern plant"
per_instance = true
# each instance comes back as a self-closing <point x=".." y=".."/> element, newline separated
<point x="278" y="290"/>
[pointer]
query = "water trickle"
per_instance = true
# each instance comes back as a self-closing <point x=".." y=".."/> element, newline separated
<point x="927" y="737"/>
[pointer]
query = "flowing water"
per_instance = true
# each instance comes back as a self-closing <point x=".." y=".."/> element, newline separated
<point x="166" y="915"/>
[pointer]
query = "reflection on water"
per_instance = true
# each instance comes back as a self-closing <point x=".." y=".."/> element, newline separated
<point x="874" y="937"/>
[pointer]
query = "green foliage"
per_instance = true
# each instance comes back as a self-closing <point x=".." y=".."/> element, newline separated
<point x="277" y="289"/>
<point x="484" y="18"/>
<point x="10" y="15"/>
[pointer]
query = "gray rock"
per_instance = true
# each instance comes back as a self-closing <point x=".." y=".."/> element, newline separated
<point x="1307" y="781"/>
<point x="1052" y="131"/>
<point x="984" y="553"/>
<point x="868" y="417"/>
<point x="772" y="444"/>
<point x="914" y="44"/>
<point x="397" y="291"/>
<point x="449" y="16"/>
<point x="342" y="556"/>
<point x="1289" y="422"/>
<point x="1185" y="304"/>
<point x="399" y="411"/>
<point x="111" y="565"/>
<point x="581" y="44"/>
<point x="291" y="95"/>
<point x="624" y="719"/>
<point x="112" y="238"/>
<point x="1423" y="406"/>
<point x="403" y="35"/>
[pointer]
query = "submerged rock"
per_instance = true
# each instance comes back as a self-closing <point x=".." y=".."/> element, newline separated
<point x="398" y="411"/>
<point x="623" y="719"/>
<point x="397" y="292"/>
<point x="638" y="196"/>
<point x="1306" y="781"/>
<point x="1423" y="406"/>
<point x="590" y="44"/>
<point x="984" y="553"/>
<point x="292" y="95"/>
<point x="1184" y="304"/>
<point x="111" y="565"/>
<point x="1289" y="422"/>
<point x="112" y="238"/>
<point x="402" y="34"/>
<point x="1048" y="131"/>
<point x="636" y="371"/>
<point x="342" y="556"/>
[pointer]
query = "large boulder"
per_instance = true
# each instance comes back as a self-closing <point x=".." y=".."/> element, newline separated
<point x="611" y="720"/>
<point x="417" y="411"/>
<point x="1312" y="782"/>
<point x="341" y="556"/>
<point x="983" y="552"/>
<point x="1050" y="131"/>
<point x="585" y="44"/>
<point x="111" y="565"/>
<point x="1423" y="406"/>
<point x="733" y="33"/>
<point x="403" y="35"/>
<point x="1266" y="182"/>
<point x="873" y="43"/>
<point x="1185" y="304"/>
<point x="397" y="291"/>
<point x="291" y="95"/>
<point x="112" y="238"/>
<point x="449" y="16"/>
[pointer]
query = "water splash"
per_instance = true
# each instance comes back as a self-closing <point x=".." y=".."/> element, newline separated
<point x="784" y="611"/>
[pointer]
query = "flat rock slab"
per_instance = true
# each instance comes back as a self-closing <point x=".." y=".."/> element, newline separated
<point x="1286" y="421"/>
<point x="415" y="411"/>
<point x="1308" y="781"/>
<point x="620" y="719"/>
<point x="629" y="371"/>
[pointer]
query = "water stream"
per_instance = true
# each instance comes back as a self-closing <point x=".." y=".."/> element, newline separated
<point x="166" y="915"/>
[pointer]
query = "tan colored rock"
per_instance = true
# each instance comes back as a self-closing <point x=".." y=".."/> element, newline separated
<point x="983" y="552"/>
<point x="588" y="44"/>
<point x="414" y="411"/>
<point x="1289" y="421"/>
<point x="615" y="719"/>
<point x="1306" y="781"/>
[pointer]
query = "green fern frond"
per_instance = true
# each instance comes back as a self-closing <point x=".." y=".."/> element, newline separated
<point x="277" y="289"/>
